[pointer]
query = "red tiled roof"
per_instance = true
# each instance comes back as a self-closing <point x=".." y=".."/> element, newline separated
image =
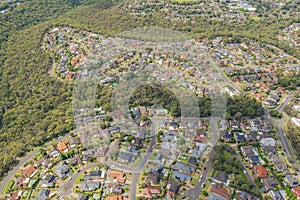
<point x="261" y="171"/>
<point x="29" y="171"/>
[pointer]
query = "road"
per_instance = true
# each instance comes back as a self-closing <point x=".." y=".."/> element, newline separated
<point x="66" y="188"/>
<point x="279" y="124"/>
<point x="23" y="160"/>
<point x="195" y="192"/>
<point x="10" y="174"/>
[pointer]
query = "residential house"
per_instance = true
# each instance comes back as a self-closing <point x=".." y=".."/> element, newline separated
<point x="119" y="197"/>
<point x="48" y="181"/>
<point x="254" y="160"/>
<point x="63" y="147"/>
<point x="83" y="197"/>
<point x="74" y="141"/>
<point x="276" y="195"/>
<point x="296" y="191"/>
<point x="219" y="193"/>
<point x="89" y="186"/>
<point x="30" y="171"/>
<point x="269" y="150"/>
<point x="240" y="137"/>
<point x="43" y="195"/>
<point x="116" y="176"/>
<point x="221" y="177"/>
<point x="291" y="181"/>
<point x="245" y="196"/>
<point x="188" y="169"/>
<point x="54" y="153"/>
<point x="181" y="177"/>
<point x="62" y="171"/>
<point x="151" y="192"/>
<point x="268" y="142"/>
<point x="172" y="188"/>
<point x="269" y="183"/>
<point x="101" y="151"/>
<point x="155" y="175"/>
<point x="248" y="151"/>
<point x="193" y="161"/>
<point x="226" y="135"/>
<point x="16" y="195"/>
<point x="261" y="171"/>
<point x="94" y="175"/>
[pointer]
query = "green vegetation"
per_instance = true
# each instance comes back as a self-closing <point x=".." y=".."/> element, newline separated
<point x="35" y="107"/>
<point x="8" y="186"/>
<point x="276" y="114"/>
<point x="226" y="160"/>
<point x="153" y="94"/>
<point x="290" y="82"/>
<point x="292" y="132"/>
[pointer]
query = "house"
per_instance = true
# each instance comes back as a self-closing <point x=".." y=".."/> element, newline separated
<point x="22" y="181"/>
<point x="101" y="151"/>
<point x="120" y="197"/>
<point x="45" y="162"/>
<point x="181" y="177"/>
<point x="240" y="137"/>
<point x="254" y="160"/>
<point x="116" y="176"/>
<point x="126" y="157"/>
<point x="245" y="196"/>
<point x="62" y="171"/>
<point x="54" y="153"/>
<point x="155" y="175"/>
<point x="221" y="177"/>
<point x="226" y="135"/>
<point x="269" y="183"/>
<point x="269" y="150"/>
<point x="74" y="141"/>
<point x="261" y="171"/>
<point x="43" y="195"/>
<point x="83" y="197"/>
<point x="172" y="126"/>
<point x="114" y="129"/>
<point x="63" y="147"/>
<point x="291" y="181"/>
<point x="193" y="161"/>
<point x="30" y="171"/>
<point x="248" y="150"/>
<point x="296" y="191"/>
<point x="275" y="194"/>
<point x="16" y="195"/>
<point x="94" y="175"/>
<point x="48" y="181"/>
<point x="172" y="188"/>
<point x="183" y="168"/>
<point x="251" y="137"/>
<point x="219" y="193"/>
<point x="89" y="186"/>
<point x="151" y="192"/>
<point x="268" y="142"/>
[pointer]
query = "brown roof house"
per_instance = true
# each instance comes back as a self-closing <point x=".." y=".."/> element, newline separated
<point x="63" y="147"/>
<point x="30" y="171"/>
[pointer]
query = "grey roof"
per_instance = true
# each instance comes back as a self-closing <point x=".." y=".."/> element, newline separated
<point x="90" y="186"/>
<point x="181" y="176"/>
<point x="43" y="195"/>
<point x="62" y="171"/>
<point x="93" y="175"/>
<point x="221" y="176"/>
<point x="183" y="167"/>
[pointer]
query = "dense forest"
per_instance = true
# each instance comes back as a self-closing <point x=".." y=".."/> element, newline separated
<point x="292" y="132"/>
<point x="35" y="107"/>
<point x="226" y="160"/>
